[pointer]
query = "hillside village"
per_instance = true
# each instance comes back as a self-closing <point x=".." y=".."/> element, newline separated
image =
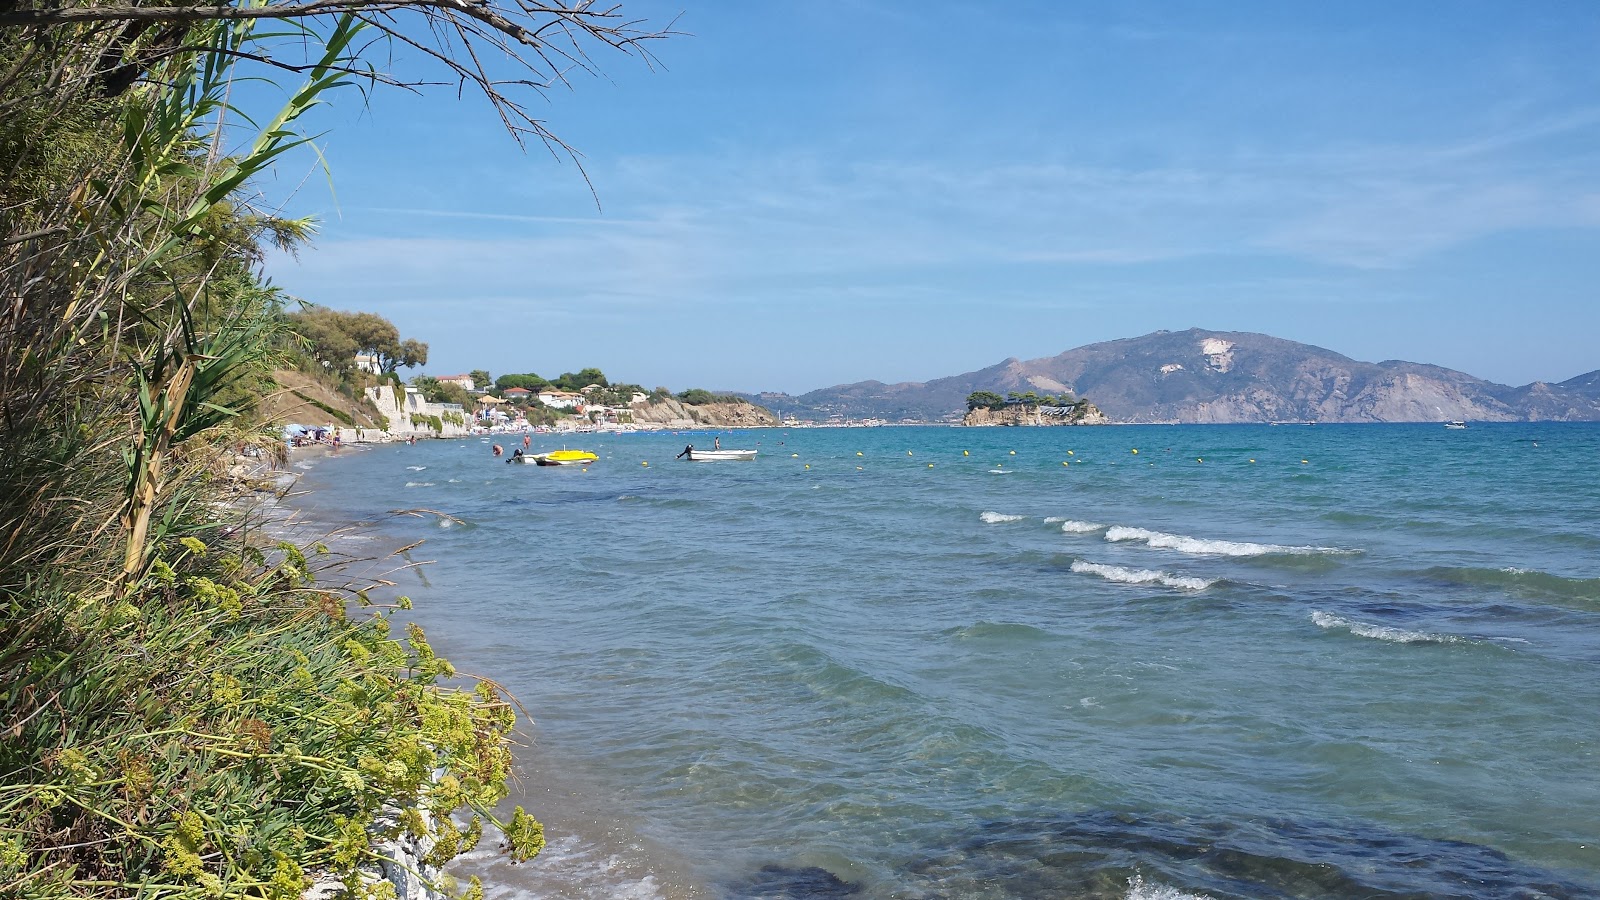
<point x="344" y="385"/>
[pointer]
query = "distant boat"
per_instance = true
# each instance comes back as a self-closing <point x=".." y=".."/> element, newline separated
<point x="720" y="455"/>
<point x="1455" y="424"/>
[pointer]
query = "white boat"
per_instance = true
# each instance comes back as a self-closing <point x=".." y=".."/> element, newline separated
<point x="720" y="455"/>
<point x="1455" y="425"/>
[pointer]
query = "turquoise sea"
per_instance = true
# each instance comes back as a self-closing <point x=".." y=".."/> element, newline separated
<point x="1245" y="661"/>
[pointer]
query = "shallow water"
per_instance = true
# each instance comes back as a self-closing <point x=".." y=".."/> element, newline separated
<point x="1363" y="663"/>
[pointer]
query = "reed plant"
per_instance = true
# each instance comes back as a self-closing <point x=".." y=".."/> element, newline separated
<point x="186" y="711"/>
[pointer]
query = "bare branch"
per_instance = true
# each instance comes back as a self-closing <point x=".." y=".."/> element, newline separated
<point x="546" y="39"/>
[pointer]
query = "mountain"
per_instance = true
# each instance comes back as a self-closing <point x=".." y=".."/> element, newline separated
<point x="1199" y="376"/>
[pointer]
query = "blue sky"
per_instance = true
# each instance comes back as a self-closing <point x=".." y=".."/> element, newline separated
<point x="805" y="194"/>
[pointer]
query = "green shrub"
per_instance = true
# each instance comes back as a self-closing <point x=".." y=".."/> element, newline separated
<point x="226" y="729"/>
<point x="701" y="397"/>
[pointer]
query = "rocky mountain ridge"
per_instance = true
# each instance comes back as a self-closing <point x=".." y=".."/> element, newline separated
<point x="1199" y="376"/>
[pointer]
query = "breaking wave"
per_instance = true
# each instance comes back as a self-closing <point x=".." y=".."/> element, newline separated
<point x="994" y="518"/>
<point x="1205" y="547"/>
<point x="1138" y="890"/>
<point x="1141" y="576"/>
<point x="419" y="484"/>
<point x="1382" y="632"/>
<point x="1072" y="526"/>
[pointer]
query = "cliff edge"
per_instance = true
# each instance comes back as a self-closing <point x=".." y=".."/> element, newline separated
<point x="1030" y="414"/>
<point x="670" y="412"/>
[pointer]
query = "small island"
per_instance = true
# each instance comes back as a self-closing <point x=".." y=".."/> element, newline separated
<point x="986" y="408"/>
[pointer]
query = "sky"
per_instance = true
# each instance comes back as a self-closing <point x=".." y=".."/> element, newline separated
<point x="794" y="195"/>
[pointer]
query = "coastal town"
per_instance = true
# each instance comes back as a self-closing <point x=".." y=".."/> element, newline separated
<point x="461" y="405"/>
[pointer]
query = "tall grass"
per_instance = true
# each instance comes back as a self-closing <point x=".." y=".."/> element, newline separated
<point x="184" y="711"/>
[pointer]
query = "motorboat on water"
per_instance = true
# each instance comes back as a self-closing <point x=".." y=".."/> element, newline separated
<point x="1455" y="425"/>
<point x="559" y="458"/>
<point x="720" y="455"/>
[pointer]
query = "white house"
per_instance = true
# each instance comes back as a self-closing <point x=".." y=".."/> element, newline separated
<point x="557" y="399"/>
<point x="464" y="381"/>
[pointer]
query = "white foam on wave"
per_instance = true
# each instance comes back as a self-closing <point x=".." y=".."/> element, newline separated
<point x="994" y="518"/>
<point x="1072" y="526"/>
<point x="1381" y="632"/>
<point x="999" y="471"/>
<point x="1138" y="890"/>
<point x="1141" y="576"/>
<point x="1205" y="547"/>
<point x="419" y="484"/>
<point x="569" y="867"/>
<point x="416" y="468"/>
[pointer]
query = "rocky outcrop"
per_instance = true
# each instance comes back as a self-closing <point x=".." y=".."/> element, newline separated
<point x="1028" y="414"/>
<point x="1199" y="376"/>
<point x="670" y="412"/>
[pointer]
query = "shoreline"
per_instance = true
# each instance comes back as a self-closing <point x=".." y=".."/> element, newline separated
<point x="594" y="847"/>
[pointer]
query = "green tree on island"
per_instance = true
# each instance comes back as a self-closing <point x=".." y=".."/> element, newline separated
<point x="985" y="400"/>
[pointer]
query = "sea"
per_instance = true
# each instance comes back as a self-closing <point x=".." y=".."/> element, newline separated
<point x="1144" y="662"/>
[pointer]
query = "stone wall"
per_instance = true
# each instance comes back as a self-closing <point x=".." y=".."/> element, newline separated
<point x="404" y="413"/>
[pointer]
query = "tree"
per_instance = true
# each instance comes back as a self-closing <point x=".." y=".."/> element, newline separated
<point x="480" y="379"/>
<point x="413" y="353"/>
<point x="577" y="381"/>
<point x="985" y="400"/>
<point x="701" y="396"/>
<point x="436" y="391"/>
<point x="527" y="380"/>
<point x="325" y="337"/>
<point x="334" y="338"/>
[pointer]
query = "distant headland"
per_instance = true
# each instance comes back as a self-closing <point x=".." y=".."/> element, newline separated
<point x="1199" y="376"/>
